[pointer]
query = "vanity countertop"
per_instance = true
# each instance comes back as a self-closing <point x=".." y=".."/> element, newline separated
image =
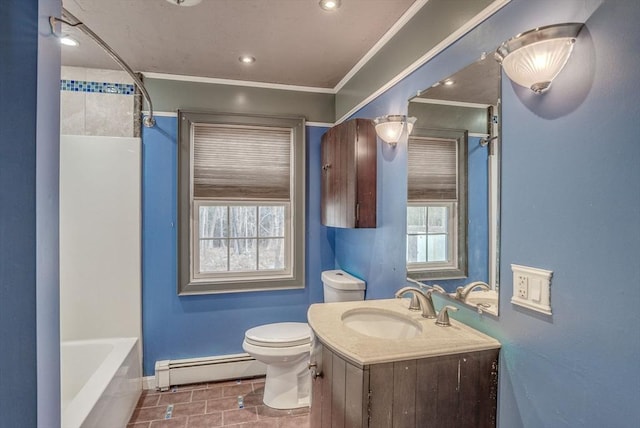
<point x="326" y="322"/>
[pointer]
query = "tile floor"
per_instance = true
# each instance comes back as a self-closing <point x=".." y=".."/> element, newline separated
<point x="214" y="404"/>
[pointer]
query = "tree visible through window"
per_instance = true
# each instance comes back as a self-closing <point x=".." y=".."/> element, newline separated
<point x="241" y="238"/>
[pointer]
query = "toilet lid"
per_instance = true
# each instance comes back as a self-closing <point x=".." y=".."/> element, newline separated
<point x="279" y="334"/>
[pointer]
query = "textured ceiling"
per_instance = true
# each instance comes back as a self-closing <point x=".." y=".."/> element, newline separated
<point x="294" y="42"/>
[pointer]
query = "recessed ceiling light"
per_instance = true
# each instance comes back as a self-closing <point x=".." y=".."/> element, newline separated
<point x="185" y="2"/>
<point x="68" y="41"/>
<point x="449" y="82"/>
<point x="247" y="59"/>
<point x="330" y="5"/>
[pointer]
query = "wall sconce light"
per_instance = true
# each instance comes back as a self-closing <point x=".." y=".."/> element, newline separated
<point x="534" y="58"/>
<point x="390" y="127"/>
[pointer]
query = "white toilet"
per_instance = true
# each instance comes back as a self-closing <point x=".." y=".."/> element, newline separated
<point x="285" y="347"/>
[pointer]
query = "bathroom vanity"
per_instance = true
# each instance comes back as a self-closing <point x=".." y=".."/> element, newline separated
<point x="376" y="364"/>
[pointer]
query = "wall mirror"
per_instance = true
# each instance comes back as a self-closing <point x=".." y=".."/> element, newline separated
<point x="453" y="201"/>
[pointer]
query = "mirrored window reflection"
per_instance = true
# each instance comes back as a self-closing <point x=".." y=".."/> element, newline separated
<point x="428" y="234"/>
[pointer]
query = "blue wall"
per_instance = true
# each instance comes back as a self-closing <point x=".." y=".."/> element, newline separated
<point x="29" y="141"/>
<point x="193" y="326"/>
<point x="570" y="203"/>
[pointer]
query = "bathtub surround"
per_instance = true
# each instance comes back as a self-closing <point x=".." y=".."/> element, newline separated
<point x="100" y="227"/>
<point x="100" y="202"/>
<point x="99" y="87"/>
<point x="98" y="102"/>
<point x="100" y="280"/>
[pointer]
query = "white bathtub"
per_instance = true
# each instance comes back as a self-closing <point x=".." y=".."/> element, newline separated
<point x="101" y="382"/>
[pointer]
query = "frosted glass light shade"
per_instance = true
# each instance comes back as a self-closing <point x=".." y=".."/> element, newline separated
<point x="389" y="128"/>
<point x="534" y="58"/>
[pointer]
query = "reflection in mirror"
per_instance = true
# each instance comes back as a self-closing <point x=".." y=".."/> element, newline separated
<point x="453" y="229"/>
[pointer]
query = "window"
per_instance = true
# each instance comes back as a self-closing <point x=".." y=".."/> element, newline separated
<point x="241" y="203"/>
<point x="436" y="207"/>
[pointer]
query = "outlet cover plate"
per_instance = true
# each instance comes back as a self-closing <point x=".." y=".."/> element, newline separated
<point x="532" y="288"/>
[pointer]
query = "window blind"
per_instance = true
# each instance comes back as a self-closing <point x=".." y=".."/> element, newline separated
<point x="240" y="162"/>
<point x="432" y="169"/>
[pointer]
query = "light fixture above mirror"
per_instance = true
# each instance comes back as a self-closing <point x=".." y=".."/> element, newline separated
<point x="390" y="127"/>
<point x="534" y="58"/>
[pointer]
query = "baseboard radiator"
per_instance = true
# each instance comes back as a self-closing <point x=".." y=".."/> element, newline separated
<point x="207" y="369"/>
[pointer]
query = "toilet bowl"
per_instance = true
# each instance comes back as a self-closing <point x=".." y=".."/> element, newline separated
<point x="285" y="347"/>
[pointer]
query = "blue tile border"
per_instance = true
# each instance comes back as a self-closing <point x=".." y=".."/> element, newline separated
<point x="98" y="87"/>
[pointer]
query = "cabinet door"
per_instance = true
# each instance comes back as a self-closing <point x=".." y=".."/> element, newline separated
<point x="349" y="157"/>
<point x="366" y="173"/>
<point x="339" y="394"/>
<point x="457" y="391"/>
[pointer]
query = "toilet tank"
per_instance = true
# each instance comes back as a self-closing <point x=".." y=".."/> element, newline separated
<point x="339" y="286"/>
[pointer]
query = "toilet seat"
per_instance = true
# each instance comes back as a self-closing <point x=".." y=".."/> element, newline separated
<point x="279" y="335"/>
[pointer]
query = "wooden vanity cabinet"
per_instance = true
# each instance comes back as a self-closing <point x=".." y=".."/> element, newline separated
<point x="449" y="391"/>
<point x="349" y="175"/>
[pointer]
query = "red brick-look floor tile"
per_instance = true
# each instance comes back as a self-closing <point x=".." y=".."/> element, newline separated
<point x="170" y="423"/>
<point x="238" y="416"/>
<point x="206" y="394"/>
<point x="188" y="409"/>
<point x="175" y="397"/>
<point x="209" y="405"/>
<point x="148" y="414"/>
<point x="148" y="399"/>
<point x="270" y="423"/>
<point x="295" y="422"/>
<point x="235" y="390"/>
<point x="139" y="425"/>
<point x="228" y="403"/>
<point x="205" y="421"/>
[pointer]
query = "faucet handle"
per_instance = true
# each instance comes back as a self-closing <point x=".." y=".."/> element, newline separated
<point x="436" y="287"/>
<point x="414" y="304"/>
<point x="443" y="316"/>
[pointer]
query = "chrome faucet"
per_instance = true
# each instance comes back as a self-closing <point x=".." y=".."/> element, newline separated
<point x="463" y="292"/>
<point x="420" y="300"/>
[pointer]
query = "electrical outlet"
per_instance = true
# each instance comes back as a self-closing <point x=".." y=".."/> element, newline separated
<point x="523" y="287"/>
<point x="532" y="288"/>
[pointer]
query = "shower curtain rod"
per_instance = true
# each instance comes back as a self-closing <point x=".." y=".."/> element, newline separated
<point x="148" y="121"/>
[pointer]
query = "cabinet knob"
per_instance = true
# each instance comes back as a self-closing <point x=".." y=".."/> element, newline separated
<point x="315" y="373"/>
<point x="326" y="166"/>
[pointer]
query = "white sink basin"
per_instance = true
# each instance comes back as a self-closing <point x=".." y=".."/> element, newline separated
<point x="482" y="297"/>
<point x="381" y="324"/>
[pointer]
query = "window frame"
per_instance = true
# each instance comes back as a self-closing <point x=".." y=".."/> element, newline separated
<point x="452" y="241"/>
<point x="188" y="235"/>
<point x="458" y="268"/>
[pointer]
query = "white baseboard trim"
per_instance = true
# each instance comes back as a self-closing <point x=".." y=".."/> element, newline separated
<point x="206" y="369"/>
